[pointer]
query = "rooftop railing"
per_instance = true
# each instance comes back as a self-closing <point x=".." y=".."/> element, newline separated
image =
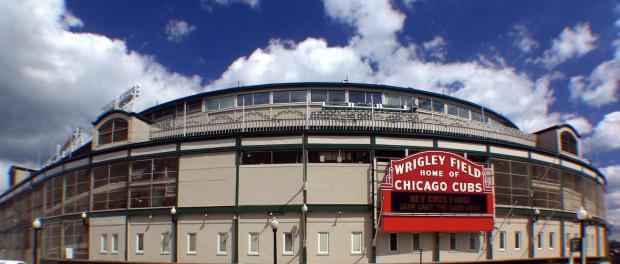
<point x="318" y="118"/>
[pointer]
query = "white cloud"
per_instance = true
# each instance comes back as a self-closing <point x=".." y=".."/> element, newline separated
<point x="580" y="123"/>
<point x="177" y="30"/>
<point x="206" y="4"/>
<point x="523" y="40"/>
<point x="601" y="87"/>
<point x="4" y="176"/>
<point x="71" y="21"/>
<point x="54" y="80"/>
<point x="572" y="42"/>
<point x="375" y="55"/>
<point x="436" y="48"/>
<point x="605" y="135"/>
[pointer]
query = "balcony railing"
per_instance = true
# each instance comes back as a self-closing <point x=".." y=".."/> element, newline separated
<point x="316" y="118"/>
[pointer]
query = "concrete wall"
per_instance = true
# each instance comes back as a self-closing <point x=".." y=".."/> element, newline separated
<point x="106" y="225"/>
<point x="152" y="228"/>
<point x="259" y="223"/>
<point x="511" y="225"/>
<point x="207" y="180"/>
<point x="340" y="226"/>
<point x="339" y="183"/>
<point x="545" y="227"/>
<point x="405" y="252"/>
<point x="206" y="227"/>
<point x="271" y="184"/>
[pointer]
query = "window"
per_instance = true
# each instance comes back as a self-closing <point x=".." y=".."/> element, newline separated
<point x="287" y="247"/>
<point x="330" y="96"/>
<point x="364" y="98"/>
<point x="393" y="100"/>
<point x="540" y="240"/>
<point x="473" y="240"/>
<point x="271" y="157"/>
<point x="139" y="242"/>
<point x="222" y="240"/>
<point x="338" y="156"/>
<point x="114" y="243"/>
<point x="253" y="99"/>
<point x="517" y="240"/>
<point x="551" y="240"/>
<point x="424" y="103"/>
<point x="153" y="182"/>
<point x="453" y="110"/>
<point x="323" y="243"/>
<point x="253" y="244"/>
<point x="104" y="243"/>
<point x="356" y="242"/>
<point x="114" y="130"/>
<point x="476" y="116"/>
<point x="217" y="103"/>
<point x="417" y="242"/>
<point x="464" y="113"/>
<point x="110" y="186"/>
<point x="502" y="240"/>
<point x="569" y="142"/>
<point x="191" y="243"/>
<point x="164" y="243"/>
<point x="393" y="241"/>
<point x="567" y="241"/>
<point x="452" y="241"/>
<point x="289" y="97"/>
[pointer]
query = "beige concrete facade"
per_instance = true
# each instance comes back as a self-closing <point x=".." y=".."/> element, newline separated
<point x="207" y="180"/>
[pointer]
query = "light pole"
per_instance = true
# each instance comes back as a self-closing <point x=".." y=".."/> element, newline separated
<point x="173" y="234"/>
<point x="304" y="210"/>
<point x="84" y="217"/>
<point x="582" y="215"/>
<point x="535" y="215"/>
<point x="274" y="226"/>
<point x="36" y="226"/>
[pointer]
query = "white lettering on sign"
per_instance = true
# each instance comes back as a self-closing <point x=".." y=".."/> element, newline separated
<point x="436" y="160"/>
<point x="434" y="186"/>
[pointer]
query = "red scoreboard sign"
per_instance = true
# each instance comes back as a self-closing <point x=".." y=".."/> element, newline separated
<point x="436" y="191"/>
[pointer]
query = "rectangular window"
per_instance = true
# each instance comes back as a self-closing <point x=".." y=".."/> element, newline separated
<point x="393" y="241"/>
<point x="104" y="243"/>
<point x="222" y="241"/>
<point x="364" y="98"/>
<point x="227" y="102"/>
<point x="253" y="244"/>
<point x="317" y="96"/>
<point x="281" y="97"/>
<point x="212" y="104"/>
<point x="261" y="98"/>
<point x="164" y="243"/>
<point x="476" y="116"/>
<point x="356" y="242"/>
<point x="540" y="240"/>
<point x="473" y="240"/>
<point x="424" y="103"/>
<point x="452" y="241"/>
<point x="191" y="243"/>
<point x="438" y="106"/>
<point x="338" y="156"/>
<point x="287" y="246"/>
<point x="298" y="96"/>
<point x="335" y="96"/>
<point x="139" y="242"/>
<point x="517" y="240"/>
<point x="502" y="240"/>
<point x="464" y="113"/>
<point x="417" y="242"/>
<point x="114" y="243"/>
<point x="271" y="157"/>
<point x="453" y="110"/>
<point x="392" y="100"/>
<point x="567" y="241"/>
<point x="551" y="240"/>
<point x="323" y="243"/>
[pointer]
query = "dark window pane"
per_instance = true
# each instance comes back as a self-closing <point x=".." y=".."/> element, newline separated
<point x="298" y="96"/>
<point x="141" y="170"/>
<point x="165" y="168"/>
<point x="357" y="97"/>
<point x="261" y="98"/>
<point x="245" y="99"/>
<point x="226" y="102"/>
<point x="212" y="104"/>
<point x="424" y="104"/>
<point x="280" y="97"/>
<point x="289" y="156"/>
<point x="464" y="113"/>
<point x="336" y="96"/>
<point x="438" y="106"/>
<point x="374" y="98"/>
<point x="453" y="110"/>
<point x="476" y="116"/>
<point x="323" y="156"/>
<point x="256" y="157"/>
<point x="393" y="241"/>
<point x="318" y="96"/>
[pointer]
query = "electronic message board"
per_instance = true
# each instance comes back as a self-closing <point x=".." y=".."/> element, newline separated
<point x="436" y="191"/>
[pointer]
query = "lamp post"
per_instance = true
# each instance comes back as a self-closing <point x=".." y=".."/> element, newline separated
<point x="582" y="215"/>
<point x="535" y="215"/>
<point x="173" y="234"/>
<point x="274" y="226"/>
<point x="84" y="217"/>
<point x="36" y="226"/>
<point x="304" y="211"/>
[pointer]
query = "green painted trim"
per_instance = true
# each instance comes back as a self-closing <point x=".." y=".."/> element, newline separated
<point x="563" y="241"/>
<point x="304" y="251"/>
<point x="235" y="249"/>
<point x="273" y="147"/>
<point x="202" y="210"/>
<point x="207" y="150"/>
<point x="340" y="207"/>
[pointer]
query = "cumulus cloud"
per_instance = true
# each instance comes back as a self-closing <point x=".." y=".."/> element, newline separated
<point x="523" y="39"/>
<point x="605" y="135"/>
<point x="613" y="196"/>
<point x="54" y="80"/>
<point x="71" y="21"/>
<point x="436" y="48"/>
<point x="207" y="4"/>
<point x="601" y="87"/>
<point x="580" y="123"/>
<point x="572" y="42"/>
<point x="177" y="30"/>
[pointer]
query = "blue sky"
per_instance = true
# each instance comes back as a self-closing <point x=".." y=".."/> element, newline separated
<point x="540" y="63"/>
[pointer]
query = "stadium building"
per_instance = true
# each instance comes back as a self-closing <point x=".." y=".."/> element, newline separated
<point x="308" y="173"/>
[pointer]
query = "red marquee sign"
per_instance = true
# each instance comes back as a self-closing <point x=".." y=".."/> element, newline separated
<point x="436" y="191"/>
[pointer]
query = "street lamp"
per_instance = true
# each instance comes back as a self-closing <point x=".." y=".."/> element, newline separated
<point x="274" y="226"/>
<point x="582" y="216"/>
<point x="173" y="233"/>
<point x="84" y="217"/>
<point x="36" y="226"/>
<point x="304" y="211"/>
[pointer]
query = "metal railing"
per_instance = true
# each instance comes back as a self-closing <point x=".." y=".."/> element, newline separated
<point x="271" y="119"/>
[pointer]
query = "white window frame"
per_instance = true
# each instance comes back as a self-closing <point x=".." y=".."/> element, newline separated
<point x="551" y="240"/>
<point x="250" y="252"/>
<point x="361" y="244"/>
<point x="139" y="240"/>
<point x="114" y="244"/>
<point x="318" y="249"/>
<point x="450" y="237"/>
<point x="104" y="244"/>
<point x="162" y="246"/>
<point x="284" y="251"/>
<point x="502" y="241"/>
<point x="222" y="251"/>
<point x="540" y="240"/>
<point x="189" y="239"/>
<point x="518" y="245"/>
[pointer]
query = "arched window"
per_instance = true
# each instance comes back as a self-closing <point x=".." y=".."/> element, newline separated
<point x="114" y="130"/>
<point x="569" y="142"/>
